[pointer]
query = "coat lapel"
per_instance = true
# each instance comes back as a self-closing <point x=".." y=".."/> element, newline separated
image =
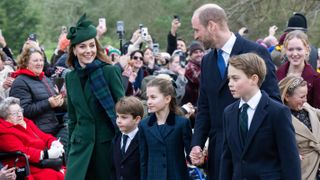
<point x="237" y="49"/>
<point x="79" y="93"/>
<point x="302" y="129"/>
<point x="170" y="125"/>
<point x="234" y="118"/>
<point x="132" y="147"/>
<point x="154" y="130"/>
<point x="258" y="118"/>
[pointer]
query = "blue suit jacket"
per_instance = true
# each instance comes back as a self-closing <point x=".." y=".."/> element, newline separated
<point x="162" y="156"/>
<point x="215" y="96"/>
<point x="126" y="167"/>
<point x="270" y="150"/>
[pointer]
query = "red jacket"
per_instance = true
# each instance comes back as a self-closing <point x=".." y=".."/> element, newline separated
<point x="30" y="141"/>
<point x="312" y="78"/>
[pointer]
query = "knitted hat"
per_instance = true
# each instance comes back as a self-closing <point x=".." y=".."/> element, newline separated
<point x="297" y="22"/>
<point x="114" y="51"/>
<point x="84" y="30"/>
<point x="195" y="45"/>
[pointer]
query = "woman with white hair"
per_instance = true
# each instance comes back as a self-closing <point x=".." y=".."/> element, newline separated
<point x="21" y="134"/>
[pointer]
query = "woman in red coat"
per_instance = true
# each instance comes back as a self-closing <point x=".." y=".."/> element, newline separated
<point x="20" y="134"/>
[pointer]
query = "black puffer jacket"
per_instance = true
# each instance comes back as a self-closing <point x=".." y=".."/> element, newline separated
<point x="33" y="94"/>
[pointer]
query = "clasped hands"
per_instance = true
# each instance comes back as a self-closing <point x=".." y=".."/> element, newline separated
<point x="56" y="150"/>
<point x="197" y="156"/>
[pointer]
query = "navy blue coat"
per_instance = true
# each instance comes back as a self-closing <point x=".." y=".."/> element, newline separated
<point x="162" y="156"/>
<point x="126" y="167"/>
<point x="215" y="96"/>
<point x="270" y="150"/>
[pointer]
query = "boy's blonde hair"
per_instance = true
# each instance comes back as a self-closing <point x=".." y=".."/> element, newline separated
<point x="250" y="64"/>
<point x="130" y="105"/>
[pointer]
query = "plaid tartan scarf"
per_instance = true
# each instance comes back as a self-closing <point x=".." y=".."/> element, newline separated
<point x="99" y="86"/>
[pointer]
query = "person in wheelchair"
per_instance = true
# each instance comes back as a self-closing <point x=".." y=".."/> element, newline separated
<point x="21" y="134"/>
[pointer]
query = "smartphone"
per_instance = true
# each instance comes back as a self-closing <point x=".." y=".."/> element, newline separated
<point x="0" y="32"/>
<point x="9" y="74"/>
<point x="156" y="48"/>
<point x="144" y="33"/>
<point x="120" y="26"/>
<point x="64" y="30"/>
<point x="176" y="17"/>
<point x="32" y="37"/>
<point x="140" y="26"/>
<point x="102" y="22"/>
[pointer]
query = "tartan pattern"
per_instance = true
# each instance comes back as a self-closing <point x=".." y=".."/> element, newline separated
<point x="244" y="122"/>
<point x="99" y="86"/>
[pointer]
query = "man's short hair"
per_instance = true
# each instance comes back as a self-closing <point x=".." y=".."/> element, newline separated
<point x="250" y="64"/>
<point x="130" y="105"/>
<point x="211" y="12"/>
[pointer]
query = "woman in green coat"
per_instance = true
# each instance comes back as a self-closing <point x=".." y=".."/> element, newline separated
<point x="93" y="88"/>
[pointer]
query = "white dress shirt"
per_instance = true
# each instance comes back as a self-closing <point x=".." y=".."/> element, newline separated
<point x="131" y="135"/>
<point x="253" y="103"/>
<point x="227" y="48"/>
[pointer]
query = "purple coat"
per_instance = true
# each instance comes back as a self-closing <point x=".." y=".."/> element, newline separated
<point x="312" y="78"/>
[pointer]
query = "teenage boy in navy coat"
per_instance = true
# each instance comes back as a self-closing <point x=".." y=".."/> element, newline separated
<point x="259" y="138"/>
<point x="126" y="156"/>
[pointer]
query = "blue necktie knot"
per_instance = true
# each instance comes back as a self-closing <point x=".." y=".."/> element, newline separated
<point x="221" y="63"/>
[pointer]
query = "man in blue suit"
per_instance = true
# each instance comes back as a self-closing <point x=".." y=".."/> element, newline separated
<point x="210" y="27"/>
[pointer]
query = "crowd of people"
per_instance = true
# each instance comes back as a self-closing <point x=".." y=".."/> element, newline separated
<point x="222" y="104"/>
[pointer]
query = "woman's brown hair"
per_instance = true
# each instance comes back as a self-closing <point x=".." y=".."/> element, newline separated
<point x="23" y="58"/>
<point x="100" y="54"/>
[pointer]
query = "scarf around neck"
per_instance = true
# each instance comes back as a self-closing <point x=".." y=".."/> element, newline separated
<point x="99" y="86"/>
<point x="27" y="72"/>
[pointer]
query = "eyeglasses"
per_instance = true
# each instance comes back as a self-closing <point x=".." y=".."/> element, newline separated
<point x="16" y="114"/>
<point x="136" y="58"/>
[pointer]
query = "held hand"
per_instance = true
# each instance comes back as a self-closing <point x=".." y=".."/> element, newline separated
<point x="54" y="152"/>
<point x="135" y="36"/>
<point x="56" y="101"/>
<point x="6" y="173"/>
<point x="175" y="24"/>
<point x="196" y="155"/>
<point x="3" y="42"/>
<point x="56" y="144"/>
<point x="272" y="30"/>
<point x="8" y="82"/>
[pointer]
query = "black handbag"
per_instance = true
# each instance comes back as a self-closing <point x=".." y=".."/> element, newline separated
<point x="55" y="164"/>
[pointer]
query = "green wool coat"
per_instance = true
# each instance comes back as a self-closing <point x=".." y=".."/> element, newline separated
<point x="90" y="129"/>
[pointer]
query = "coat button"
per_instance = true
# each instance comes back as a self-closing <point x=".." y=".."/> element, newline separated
<point x="121" y="178"/>
<point x="122" y="166"/>
<point x="164" y="155"/>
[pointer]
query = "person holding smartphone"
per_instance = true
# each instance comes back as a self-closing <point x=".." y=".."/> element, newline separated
<point x="173" y="42"/>
<point x="5" y="78"/>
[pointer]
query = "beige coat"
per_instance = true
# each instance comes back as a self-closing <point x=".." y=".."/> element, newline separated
<point x="308" y="143"/>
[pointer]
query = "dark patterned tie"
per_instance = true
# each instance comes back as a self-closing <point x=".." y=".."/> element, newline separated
<point x="221" y="63"/>
<point x="124" y="143"/>
<point x="244" y="122"/>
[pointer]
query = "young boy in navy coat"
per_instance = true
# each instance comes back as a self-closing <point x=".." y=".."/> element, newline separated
<point x="126" y="158"/>
<point x="259" y="139"/>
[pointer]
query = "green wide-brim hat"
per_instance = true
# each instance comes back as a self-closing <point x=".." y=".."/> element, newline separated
<point x="84" y="30"/>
